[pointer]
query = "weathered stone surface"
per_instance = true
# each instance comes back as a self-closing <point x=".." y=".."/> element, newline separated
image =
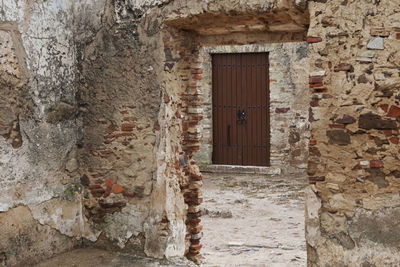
<point x="370" y="121"/>
<point x="376" y="43"/>
<point x="338" y="137"/>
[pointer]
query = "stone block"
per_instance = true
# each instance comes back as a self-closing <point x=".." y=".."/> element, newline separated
<point x="376" y="43"/>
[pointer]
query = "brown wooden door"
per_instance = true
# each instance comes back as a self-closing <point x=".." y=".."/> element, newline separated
<point x="240" y="86"/>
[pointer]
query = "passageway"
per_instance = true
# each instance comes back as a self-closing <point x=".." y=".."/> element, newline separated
<point x="253" y="220"/>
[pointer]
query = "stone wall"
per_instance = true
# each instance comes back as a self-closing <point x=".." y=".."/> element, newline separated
<point x="354" y="80"/>
<point x="289" y="99"/>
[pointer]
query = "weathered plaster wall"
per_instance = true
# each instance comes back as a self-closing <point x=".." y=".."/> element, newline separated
<point x="289" y="98"/>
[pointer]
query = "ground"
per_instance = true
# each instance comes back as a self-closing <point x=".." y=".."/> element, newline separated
<point x="90" y="257"/>
<point x="253" y="220"/>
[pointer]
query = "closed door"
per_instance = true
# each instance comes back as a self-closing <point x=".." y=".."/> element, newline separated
<point x="240" y="86"/>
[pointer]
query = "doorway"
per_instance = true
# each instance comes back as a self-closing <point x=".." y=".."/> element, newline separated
<point x="241" y="119"/>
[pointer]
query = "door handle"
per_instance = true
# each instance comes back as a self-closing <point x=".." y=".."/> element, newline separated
<point x="241" y="116"/>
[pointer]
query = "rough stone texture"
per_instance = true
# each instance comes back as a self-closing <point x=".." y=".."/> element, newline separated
<point x="288" y="75"/>
<point x="354" y="170"/>
<point x="100" y="111"/>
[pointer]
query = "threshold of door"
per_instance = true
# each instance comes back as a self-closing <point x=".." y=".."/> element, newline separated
<point x="239" y="169"/>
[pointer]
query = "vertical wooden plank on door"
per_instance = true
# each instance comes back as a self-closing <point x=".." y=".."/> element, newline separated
<point x="214" y="107"/>
<point x="220" y="110"/>
<point x="267" y="104"/>
<point x="239" y="98"/>
<point x="244" y="103"/>
<point x="228" y="110"/>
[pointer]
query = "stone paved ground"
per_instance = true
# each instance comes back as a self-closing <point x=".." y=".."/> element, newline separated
<point x="253" y="220"/>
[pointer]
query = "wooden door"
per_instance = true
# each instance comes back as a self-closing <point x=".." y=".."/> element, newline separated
<point x="240" y="86"/>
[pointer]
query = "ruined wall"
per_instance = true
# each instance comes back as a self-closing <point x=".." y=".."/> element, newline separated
<point x="289" y="98"/>
<point x="40" y="208"/>
<point x="353" y="208"/>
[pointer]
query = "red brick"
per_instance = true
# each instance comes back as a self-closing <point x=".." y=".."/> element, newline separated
<point x="320" y="90"/>
<point x="109" y="182"/>
<point x="129" y="119"/>
<point x="128" y="194"/>
<point x="313" y="142"/>
<point x="394" y="140"/>
<point x="127" y="127"/>
<point x="108" y="191"/>
<point x="197" y="77"/>
<point x="316" y="79"/>
<point x="196" y="230"/>
<point x="196" y="247"/>
<point x="384" y="107"/>
<point x="387" y="132"/>
<point x="394" y="112"/>
<point x="118" y="189"/>
<point x="94" y="186"/>
<point x="314" y="103"/>
<point x="376" y="164"/>
<point x="314" y="85"/>
<point x="197" y="71"/>
<point x="398" y="36"/>
<point x="312" y="39"/>
<point x="166" y="98"/>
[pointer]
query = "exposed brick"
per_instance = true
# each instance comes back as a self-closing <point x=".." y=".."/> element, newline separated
<point x="94" y="186"/>
<point x="314" y="103"/>
<point x="398" y="36"/>
<point x="166" y="99"/>
<point x="376" y="164"/>
<point x="196" y="230"/>
<point x="197" y="77"/>
<point x="387" y="132"/>
<point x="118" y="189"/>
<point x="384" y="107"/>
<point x="394" y="112"/>
<point x="316" y="79"/>
<point x="314" y="85"/>
<point x="197" y="71"/>
<point x="320" y="90"/>
<point x="107" y="191"/>
<point x="312" y="39"/>
<point x="382" y="32"/>
<point x="109" y="182"/>
<point x="127" y="127"/>
<point x="394" y="140"/>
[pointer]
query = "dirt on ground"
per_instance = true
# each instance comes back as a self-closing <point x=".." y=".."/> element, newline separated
<point x="253" y="220"/>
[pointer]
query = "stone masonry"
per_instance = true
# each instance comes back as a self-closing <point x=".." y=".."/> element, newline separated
<point x="101" y="118"/>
